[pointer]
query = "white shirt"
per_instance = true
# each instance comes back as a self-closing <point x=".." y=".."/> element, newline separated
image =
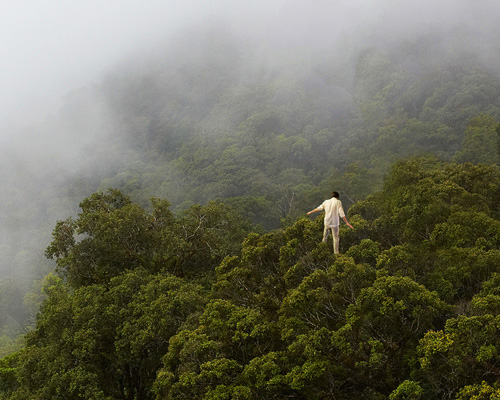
<point x="333" y="209"/>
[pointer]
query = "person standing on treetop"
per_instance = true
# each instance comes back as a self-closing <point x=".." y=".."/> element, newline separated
<point x="333" y="209"/>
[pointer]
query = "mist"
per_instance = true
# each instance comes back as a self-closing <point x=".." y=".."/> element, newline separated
<point x="56" y="120"/>
<point x="53" y="47"/>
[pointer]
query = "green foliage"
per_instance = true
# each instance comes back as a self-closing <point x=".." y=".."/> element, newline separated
<point x="481" y="391"/>
<point x="112" y="235"/>
<point x="149" y="305"/>
<point x="107" y="319"/>
<point x="358" y="325"/>
<point x="408" y="390"/>
<point x="8" y="373"/>
<point x="104" y="343"/>
<point x="464" y="354"/>
<point x="422" y="193"/>
<point x="323" y="296"/>
<point x="480" y="142"/>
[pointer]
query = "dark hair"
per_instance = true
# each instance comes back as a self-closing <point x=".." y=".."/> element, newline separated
<point x="335" y="194"/>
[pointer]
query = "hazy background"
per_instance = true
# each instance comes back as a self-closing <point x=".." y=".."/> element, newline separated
<point x="51" y="47"/>
<point x="54" y="52"/>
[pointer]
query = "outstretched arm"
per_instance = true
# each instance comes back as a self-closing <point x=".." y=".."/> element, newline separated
<point x="347" y="222"/>
<point x="315" y="210"/>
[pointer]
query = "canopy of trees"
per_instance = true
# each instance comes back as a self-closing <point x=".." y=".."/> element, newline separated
<point x="146" y="305"/>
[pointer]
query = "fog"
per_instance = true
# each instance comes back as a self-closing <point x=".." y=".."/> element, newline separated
<point x="54" y="52"/>
<point x="51" y="47"/>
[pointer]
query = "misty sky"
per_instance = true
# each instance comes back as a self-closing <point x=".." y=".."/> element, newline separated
<point x="49" y="47"/>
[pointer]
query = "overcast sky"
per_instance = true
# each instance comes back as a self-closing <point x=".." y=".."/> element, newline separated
<point x="49" y="47"/>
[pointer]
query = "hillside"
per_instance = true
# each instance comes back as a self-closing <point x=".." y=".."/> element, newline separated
<point x="210" y="123"/>
<point x="218" y="287"/>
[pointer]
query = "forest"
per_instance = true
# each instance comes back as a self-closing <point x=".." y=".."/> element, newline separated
<point x="184" y="266"/>
<point x="146" y="305"/>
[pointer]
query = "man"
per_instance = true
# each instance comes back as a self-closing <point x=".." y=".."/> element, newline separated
<point x="333" y="209"/>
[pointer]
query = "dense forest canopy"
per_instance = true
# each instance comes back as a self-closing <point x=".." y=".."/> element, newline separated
<point x="197" y="275"/>
<point x="147" y="305"/>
